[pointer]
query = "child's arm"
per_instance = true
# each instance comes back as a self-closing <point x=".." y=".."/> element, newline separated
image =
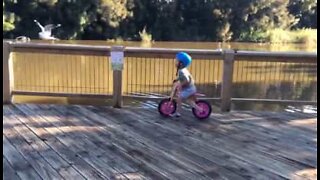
<point x="176" y="86"/>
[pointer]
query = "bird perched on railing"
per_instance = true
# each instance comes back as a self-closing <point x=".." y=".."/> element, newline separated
<point x="22" y="39"/>
<point x="45" y="33"/>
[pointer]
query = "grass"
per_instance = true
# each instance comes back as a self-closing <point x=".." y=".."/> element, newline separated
<point x="280" y="36"/>
<point x="303" y="36"/>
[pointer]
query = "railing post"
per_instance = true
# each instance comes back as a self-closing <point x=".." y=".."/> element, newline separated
<point x="7" y="73"/>
<point x="117" y="60"/>
<point x="226" y="90"/>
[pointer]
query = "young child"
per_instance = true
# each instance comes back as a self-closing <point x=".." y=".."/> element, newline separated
<point x="184" y="82"/>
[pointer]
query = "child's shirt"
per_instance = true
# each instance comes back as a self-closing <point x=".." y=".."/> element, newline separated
<point x="184" y="75"/>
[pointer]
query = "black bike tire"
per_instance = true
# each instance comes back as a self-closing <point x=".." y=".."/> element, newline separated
<point x="166" y="100"/>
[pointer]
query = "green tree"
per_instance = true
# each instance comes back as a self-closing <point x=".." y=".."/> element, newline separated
<point x="7" y="21"/>
<point x="305" y="11"/>
<point x="8" y="18"/>
<point x="169" y="20"/>
<point x="260" y="16"/>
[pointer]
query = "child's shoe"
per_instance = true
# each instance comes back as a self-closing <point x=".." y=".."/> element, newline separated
<point x="176" y="114"/>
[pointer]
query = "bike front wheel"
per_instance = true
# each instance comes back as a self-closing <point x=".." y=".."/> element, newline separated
<point x="167" y="107"/>
<point x="206" y="106"/>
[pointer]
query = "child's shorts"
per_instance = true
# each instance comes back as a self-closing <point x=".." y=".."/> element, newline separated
<point x="187" y="92"/>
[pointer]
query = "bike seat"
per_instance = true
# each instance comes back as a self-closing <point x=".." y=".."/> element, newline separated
<point x="199" y="94"/>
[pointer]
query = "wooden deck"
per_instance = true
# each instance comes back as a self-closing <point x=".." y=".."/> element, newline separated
<point x="87" y="142"/>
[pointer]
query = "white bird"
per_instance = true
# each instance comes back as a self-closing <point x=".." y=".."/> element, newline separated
<point x="46" y="31"/>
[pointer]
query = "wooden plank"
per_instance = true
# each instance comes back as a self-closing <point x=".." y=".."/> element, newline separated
<point x="130" y="152"/>
<point x="31" y="155"/>
<point x="165" y="55"/>
<point x="277" y="124"/>
<point x="105" y="96"/>
<point x="141" y="124"/>
<point x="61" y="51"/>
<point x="305" y="124"/>
<point x="196" y="166"/>
<point x="281" y="143"/>
<point x="226" y="89"/>
<point x="302" y="57"/>
<point x="117" y="78"/>
<point x="303" y="158"/>
<point x="166" y="146"/>
<point x="277" y="143"/>
<point x="183" y="144"/>
<point x="19" y="164"/>
<point x="233" y="117"/>
<point x="78" y="147"/>
<point x="302" y="121"/>
<point x="37" y="138"/>
<point x="129" y="143"/>
<point x="186" y="146"/>
<point x="288" y="137"/>
<point x="73" y="158"/>
<point x="108" y="158"/>
<point x="268" y="58"/>
<point x="279" y="147"/>
<point x="266" y="162"/>
<point x="7" y="74"/>
<point x="206" y="53"/>
<point x="250" y="123"/>
<point x="58" y="94"/>
<point x="273" y="101"/>
<point x="117" y="89"/>
<point x="290" y="156"/>
<point x="8" y="171"/>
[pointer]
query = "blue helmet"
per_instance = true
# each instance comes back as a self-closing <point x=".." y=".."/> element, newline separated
<point x="184" y="58"/>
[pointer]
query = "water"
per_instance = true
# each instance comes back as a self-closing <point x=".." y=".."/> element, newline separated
<point x="262" y="79"/>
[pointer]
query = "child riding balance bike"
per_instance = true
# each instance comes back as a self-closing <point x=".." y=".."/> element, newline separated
<point x="185" y="89"/>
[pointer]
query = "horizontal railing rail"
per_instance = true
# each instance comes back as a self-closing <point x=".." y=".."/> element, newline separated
<point x="306" y="57"/>
<point x="134" y="81"/>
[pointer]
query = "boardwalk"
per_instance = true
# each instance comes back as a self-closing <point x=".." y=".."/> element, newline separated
<point x="87" y="142"/>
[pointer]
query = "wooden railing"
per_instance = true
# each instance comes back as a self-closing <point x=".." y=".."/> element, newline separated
<point x="226" y="56"/>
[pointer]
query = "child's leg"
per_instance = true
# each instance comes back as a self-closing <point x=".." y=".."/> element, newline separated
<point x="179" y="104"/>
<point x="178" y="110"/>
<point x="192" y="101"/>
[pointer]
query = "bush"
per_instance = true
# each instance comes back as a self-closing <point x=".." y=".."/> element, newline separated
<point x="145" y="37"/>
<point x="278" y="36"/>
<point x="253" y="36"/>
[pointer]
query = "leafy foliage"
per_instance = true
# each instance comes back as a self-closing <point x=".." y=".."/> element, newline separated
<point x="165" y="20"/>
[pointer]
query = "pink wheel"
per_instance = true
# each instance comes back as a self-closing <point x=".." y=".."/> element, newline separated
<point x="206" y="109"/>
<point x="167" y="107"/>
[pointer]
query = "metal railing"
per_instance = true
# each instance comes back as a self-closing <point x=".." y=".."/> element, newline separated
<point x="152" y="76"/>
<point x="85" y="71"/>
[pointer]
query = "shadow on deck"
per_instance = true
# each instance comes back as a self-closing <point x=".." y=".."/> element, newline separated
<point x="91" y="142"/>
